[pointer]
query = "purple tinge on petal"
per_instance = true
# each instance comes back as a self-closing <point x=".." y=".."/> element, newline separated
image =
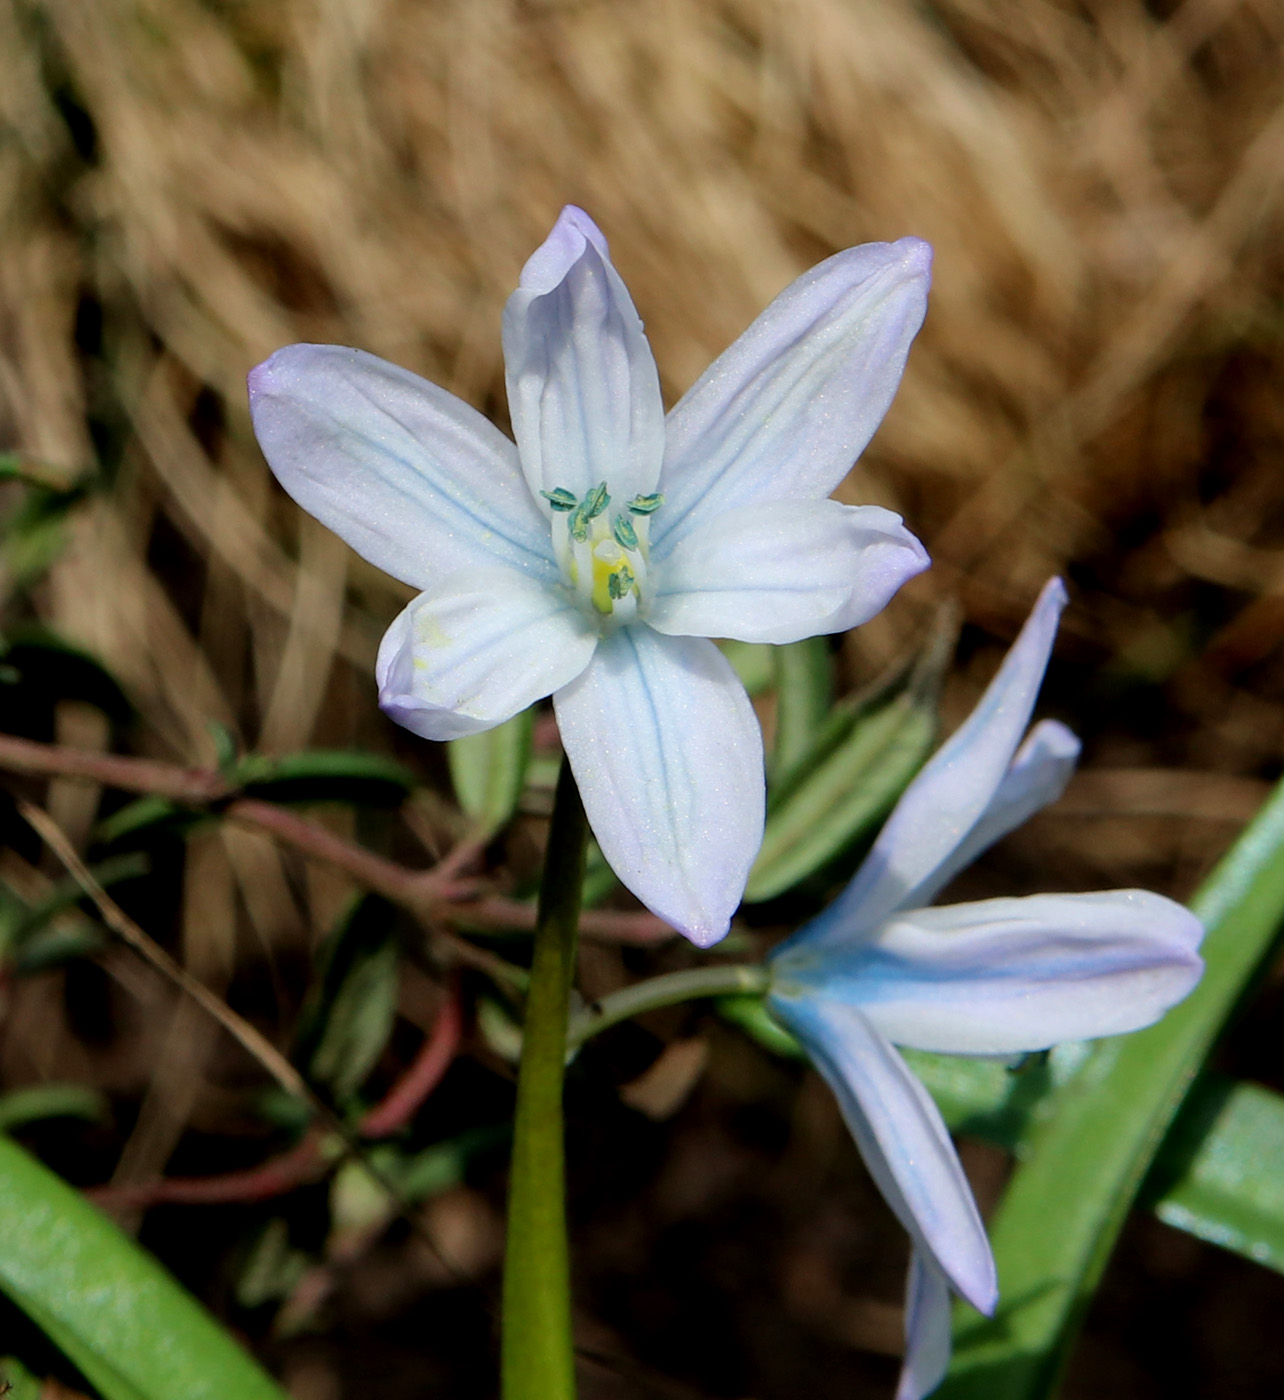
<point x="1004" y="976"/>
<point x="414" y="479"/>
<point x="927" y="1330"/>
<point x="784" y="412"/>
<point x="939" y="809"/>
<point x="900" y="1134"/>
<point x="549" y="264"/>
<point x="667" y="753"/>
<point x="583" y="390"/>
<point x="484" y="645"/>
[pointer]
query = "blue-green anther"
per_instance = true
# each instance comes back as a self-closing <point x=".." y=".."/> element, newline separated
<point x="620" y="582"/>
<point x="591" y="506"/>
<point x="560" y="498"/>
<point x="647" y="505"/>
<point x="596" y="501"/>
<point x="625" y="535"/>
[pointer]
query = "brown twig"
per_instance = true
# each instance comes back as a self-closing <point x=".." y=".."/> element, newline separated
<point x="143" y="775"/>
<point x="438" y="894"/>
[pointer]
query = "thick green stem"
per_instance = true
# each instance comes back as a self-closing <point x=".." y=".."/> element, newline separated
<point x="538" y="1354"/>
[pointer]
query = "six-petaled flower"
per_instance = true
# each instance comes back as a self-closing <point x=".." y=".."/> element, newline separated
<point x="878" y="969"/>
<point x="593" y="559"/>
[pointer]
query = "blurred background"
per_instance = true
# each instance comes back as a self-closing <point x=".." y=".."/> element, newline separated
<point x="186" y="185"/>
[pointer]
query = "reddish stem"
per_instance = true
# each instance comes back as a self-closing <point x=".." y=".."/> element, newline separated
<point x="426" y="1071"/>
<point x="274" y="1178"/>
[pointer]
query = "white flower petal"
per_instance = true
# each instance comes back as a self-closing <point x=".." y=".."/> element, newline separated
<point x="415" y="480"/>
<point x="780" y="572"/>
<point x="1037" y="776"/>
<point x="901" y="1136"/>
<point x="1007" y="975"/>
<point x="583" y="390"/>
<point x="484" y="645"/>
<point x="668" y="757"/>
<point x="785" y="411"/>
<point x="927" y="1330"/>
<point x="955" y="788"/>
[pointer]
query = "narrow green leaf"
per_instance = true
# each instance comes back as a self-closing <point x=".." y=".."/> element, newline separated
<point x="845" y="797"/>
<point x="804" y="694"/>
<point x="753" y="662"/>
<point x="1066" y="1202"/>
<point x="348" y="1021"/>
<point x="40" y="1101"/>
<point x="325" y="775"/>
<point x="50" y="668"/>
<point x="1218" y="1174"/>
<point x="489" y="770"/>
<point x="105" y="1302"/>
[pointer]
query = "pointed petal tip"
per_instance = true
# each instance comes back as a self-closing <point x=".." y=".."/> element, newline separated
<point x="917" y="253"/>
<point x="1053" y="594"/>
<point x="568" y="240"/>
<point x="704" y="933"/>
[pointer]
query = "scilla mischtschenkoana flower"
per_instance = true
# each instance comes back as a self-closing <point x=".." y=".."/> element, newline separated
<point x="879" y="968"/>
<point x="593" y="559"/>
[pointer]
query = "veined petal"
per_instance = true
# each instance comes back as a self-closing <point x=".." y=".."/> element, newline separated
<point x="927" y="1330"/>
<point x="484" y="645"/>
<point x="1037" y="776"/>
<point x="583" y="390"/>
<point x="415" y="480"/>
<point x="901" y="1136"/>
<point x="668" y="757"/>
<point x="779" y="572"/>
<point x="947" y="799"/>
<point x="1007" y="975"/>
<point x="785" y="411"/>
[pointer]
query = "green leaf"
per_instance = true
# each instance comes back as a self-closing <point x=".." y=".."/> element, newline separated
<point x="324" y="775"/>
<point x="111" y="1308"/>
<point x="489" y="770"/>
<point x="145" y="814"/>
<point x="348" y="1022"/>
<point x="869" y="757"/>
<point x="1218" y="1173"/>
<point x="48" y="669"/>
<point x="41" y="1101"/>
<point x="753" y="662"/>
<point x="750" y="1015"/>
<point x="21" y="923"/>
<point x="804" y="694"/>
<point x="1087" y="1157"/>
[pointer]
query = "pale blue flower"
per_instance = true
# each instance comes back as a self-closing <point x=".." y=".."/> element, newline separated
<point x="879" y="969"/>
<point x="592" y="560"/>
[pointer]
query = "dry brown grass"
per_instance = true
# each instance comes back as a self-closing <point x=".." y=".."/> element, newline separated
<point x="186" y="185"/>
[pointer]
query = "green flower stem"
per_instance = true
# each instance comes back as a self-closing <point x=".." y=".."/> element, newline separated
<point x="740" y="979"/>
<point x="537" y="1352"/>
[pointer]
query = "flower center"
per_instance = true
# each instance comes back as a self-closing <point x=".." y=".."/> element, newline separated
<point x="603" y="555"/>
